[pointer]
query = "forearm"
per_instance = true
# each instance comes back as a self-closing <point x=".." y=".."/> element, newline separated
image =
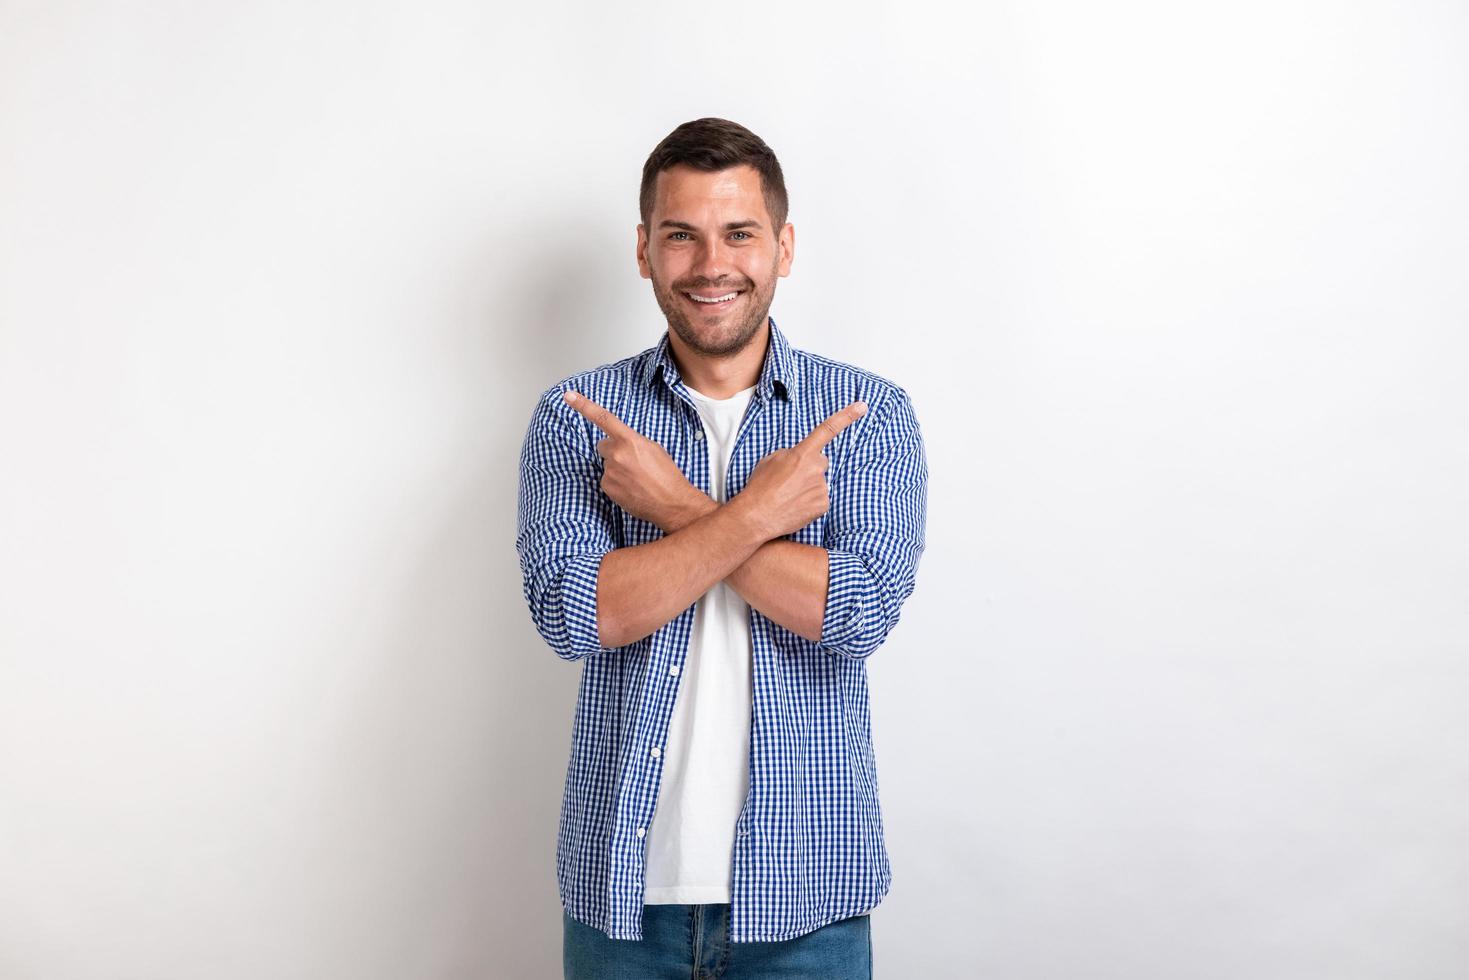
<point x="785" y="580"/>
<point x="641" y="588"/>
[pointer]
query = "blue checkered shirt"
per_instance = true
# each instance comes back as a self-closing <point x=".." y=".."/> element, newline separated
<point x="809" y="846"/>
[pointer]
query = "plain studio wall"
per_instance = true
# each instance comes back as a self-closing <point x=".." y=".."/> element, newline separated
<point x="1179" y="294"/>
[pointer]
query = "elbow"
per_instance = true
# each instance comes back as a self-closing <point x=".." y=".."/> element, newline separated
<point x="551" y="622"/>
<point x="607" y="628"/>
<point x="862" y="607"/>
<point x="869" y="631"/>
<point x="563" y="605"/>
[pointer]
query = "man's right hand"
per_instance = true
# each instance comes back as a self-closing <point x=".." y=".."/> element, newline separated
<point x="787" y="489"/>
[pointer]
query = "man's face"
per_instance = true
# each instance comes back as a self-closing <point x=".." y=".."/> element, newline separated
<point x="711" y="236"/>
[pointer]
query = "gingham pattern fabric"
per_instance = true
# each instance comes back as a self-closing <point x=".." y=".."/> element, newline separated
<point x="809" y="846"/>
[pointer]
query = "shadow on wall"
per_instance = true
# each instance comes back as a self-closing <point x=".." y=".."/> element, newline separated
<point x="458" y="752"/>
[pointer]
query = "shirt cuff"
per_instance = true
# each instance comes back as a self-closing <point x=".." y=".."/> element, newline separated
<point x="847" y="585"/>
<point x="579" y="604"/>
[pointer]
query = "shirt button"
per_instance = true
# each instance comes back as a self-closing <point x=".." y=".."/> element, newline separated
<point x="657" y="751"/>
<point x="642" y="831"/>
<point x="698" y="433"/>
<point x="673" y="670"/>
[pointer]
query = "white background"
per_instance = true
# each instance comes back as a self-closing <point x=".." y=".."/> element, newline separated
<point x="1178" y="291"/>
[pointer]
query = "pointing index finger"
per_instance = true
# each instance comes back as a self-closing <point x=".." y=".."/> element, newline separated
<point x="596" y="414"/>
<point x="832" y="425"/>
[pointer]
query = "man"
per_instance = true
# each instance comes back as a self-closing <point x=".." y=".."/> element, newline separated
<point x="721" y="529"/>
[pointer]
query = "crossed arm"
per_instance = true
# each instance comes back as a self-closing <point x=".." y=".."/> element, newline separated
<point x="589" y="596"/>
<point x="783" y="579"/>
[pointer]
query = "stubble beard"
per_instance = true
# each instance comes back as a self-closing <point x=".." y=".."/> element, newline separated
<point x="726" y="338"/>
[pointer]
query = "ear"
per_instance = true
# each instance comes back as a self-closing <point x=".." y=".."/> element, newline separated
<point x="642" y="251"/>
<point x="787" y="240"/>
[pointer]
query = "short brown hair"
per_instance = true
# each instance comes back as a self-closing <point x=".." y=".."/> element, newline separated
<point x="712" y="144"/>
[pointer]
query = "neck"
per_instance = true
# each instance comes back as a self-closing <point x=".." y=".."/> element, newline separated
<point x="724" y="375"/>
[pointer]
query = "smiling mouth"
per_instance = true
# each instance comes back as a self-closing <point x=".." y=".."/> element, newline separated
<point x="717" y="301"/>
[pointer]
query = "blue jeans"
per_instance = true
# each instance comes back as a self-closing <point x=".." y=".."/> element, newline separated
<point x="684" y="941"/>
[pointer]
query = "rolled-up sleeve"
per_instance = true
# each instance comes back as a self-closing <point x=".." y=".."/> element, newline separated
<point x="875" y="531"/>
<point x="565" y="525"/>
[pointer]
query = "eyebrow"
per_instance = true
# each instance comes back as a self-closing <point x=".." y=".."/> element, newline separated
<point x="729" y="225"/>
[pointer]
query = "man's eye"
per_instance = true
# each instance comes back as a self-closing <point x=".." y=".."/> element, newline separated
<point x="674" y="234"/>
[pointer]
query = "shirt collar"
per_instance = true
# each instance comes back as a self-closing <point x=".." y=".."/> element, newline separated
<point x="777" y="373"/>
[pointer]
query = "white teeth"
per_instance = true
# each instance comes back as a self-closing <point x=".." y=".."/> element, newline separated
<point x="715" y="299"/>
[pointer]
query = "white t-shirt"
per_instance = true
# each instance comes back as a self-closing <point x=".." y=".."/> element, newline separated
<point x="706" y="774"/>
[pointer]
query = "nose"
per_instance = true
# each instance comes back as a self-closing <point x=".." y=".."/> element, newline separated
<point x="713" y="260"/>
